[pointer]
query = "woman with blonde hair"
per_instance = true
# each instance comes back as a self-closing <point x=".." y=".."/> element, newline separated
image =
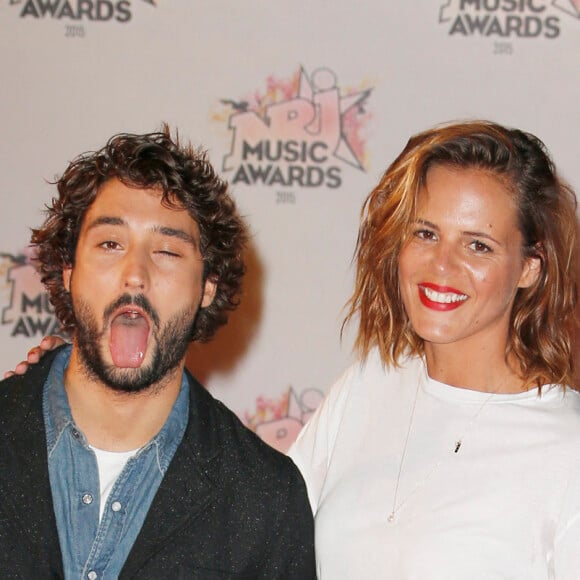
<point x="451" y="449"/>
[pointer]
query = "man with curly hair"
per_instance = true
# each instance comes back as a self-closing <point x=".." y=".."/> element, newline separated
<point x="116" y="461"/>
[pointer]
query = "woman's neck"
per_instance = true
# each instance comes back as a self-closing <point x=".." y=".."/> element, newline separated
<point x="484" y="370"/>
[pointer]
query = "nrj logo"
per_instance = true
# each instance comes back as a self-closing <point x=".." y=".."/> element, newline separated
<point x="300" y="132"/>
<point x="77" y="11"/>
<point x="571" y="7"/>
<point x="506" y="19"/>
<point x="278" y="422"/>
<point x="24" y="305"/>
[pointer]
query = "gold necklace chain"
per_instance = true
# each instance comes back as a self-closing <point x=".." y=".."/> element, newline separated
<point x="396" y="507"/>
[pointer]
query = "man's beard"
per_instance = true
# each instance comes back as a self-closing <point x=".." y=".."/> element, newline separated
<point x="171" y="344"/>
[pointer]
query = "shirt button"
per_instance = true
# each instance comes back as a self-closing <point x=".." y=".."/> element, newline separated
<point x="87" y="500"/>
<point x="75" y="433"/>
<point x="92" y="575"/>
<point x="116" y="506"/>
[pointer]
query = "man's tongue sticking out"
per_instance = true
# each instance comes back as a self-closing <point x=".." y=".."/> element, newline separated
<point x="129" y="334"/>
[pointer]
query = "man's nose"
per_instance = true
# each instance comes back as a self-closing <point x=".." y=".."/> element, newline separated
<point x="136" y="270"/>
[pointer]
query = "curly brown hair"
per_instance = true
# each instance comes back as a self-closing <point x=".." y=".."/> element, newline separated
<point x="186" y="179"/>
<point x="542" y="319"/>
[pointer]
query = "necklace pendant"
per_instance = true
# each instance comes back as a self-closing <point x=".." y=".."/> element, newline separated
<point x="391" y="517"/>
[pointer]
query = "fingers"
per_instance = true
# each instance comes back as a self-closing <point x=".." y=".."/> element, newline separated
<point x="19" y="369"/>
<point x="34" y="355"/>
<point x="47" y="344"/>
<point x="51" y="342"/>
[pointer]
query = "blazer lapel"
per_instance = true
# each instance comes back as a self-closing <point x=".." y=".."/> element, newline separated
<point x="187" y="489"/>
<point x="24" y="480"/>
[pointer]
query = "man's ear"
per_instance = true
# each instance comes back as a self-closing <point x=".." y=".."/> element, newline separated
<point x="66" y="276"/>
<point x="209" y="291"/>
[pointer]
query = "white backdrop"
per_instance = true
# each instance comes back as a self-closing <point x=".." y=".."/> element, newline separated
<point x="323" y="94"/>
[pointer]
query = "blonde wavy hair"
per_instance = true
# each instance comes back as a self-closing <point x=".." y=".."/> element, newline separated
<point x="542" y="321"/>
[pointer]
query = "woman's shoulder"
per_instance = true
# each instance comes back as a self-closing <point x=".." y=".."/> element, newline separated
<point x="562" y="397"/>
<point x="373" y="369"/>
<point x="369" y="375"/>
<point x="373" y="364"/>
<point x="565" y="403"/>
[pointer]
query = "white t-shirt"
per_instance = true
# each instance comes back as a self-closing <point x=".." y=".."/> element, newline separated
<point x="506" y="505"/>
<point x="110" y="465"/>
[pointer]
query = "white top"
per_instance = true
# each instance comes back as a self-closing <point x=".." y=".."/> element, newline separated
<point x="110" y="465"/>
<point x="505" y="506"/>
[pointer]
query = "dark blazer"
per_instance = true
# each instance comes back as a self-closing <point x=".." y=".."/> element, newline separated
<point x="229" y="505"/>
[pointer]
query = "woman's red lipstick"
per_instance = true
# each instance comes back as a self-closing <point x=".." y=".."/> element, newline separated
<point x="440" y="298"/>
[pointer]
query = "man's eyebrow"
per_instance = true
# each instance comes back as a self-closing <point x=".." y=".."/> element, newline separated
<point x="104" y="220"/>
<point x="176" y="233"/>
<point x="163" y="230"/>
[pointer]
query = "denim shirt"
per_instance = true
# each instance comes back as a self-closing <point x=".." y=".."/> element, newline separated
<point x="91" y="549"/>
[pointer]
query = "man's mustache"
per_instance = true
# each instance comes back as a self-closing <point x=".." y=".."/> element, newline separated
<point x="136" y="300"/>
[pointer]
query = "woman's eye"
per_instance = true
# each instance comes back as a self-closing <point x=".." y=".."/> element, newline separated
<point x="109" y="245"/>
<point x="425" y="234"/>
<point x="480" y="247"/>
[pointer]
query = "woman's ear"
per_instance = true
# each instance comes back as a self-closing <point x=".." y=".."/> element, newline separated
<point x="532" y="267"/>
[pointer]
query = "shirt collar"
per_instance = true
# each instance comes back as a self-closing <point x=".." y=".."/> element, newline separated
<point x="58" y="417"/>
